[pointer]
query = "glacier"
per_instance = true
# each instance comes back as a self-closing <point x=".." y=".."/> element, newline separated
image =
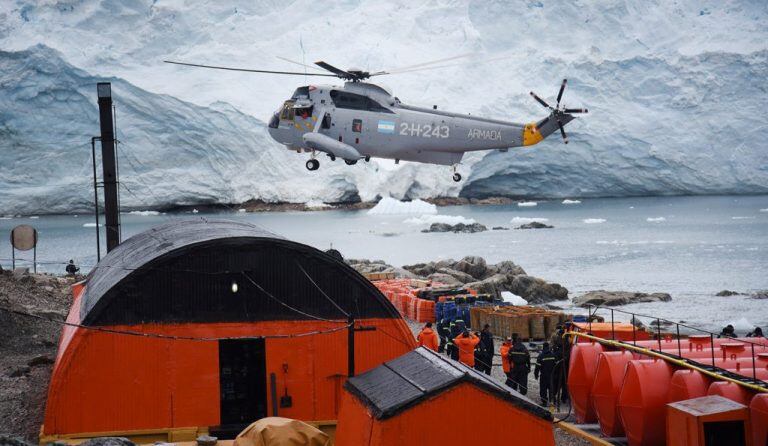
<point x="675" y="90"/>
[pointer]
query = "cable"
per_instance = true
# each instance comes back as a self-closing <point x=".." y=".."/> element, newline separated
<point x="170" y="337"/>
<point x="311" y="316"/>
<point x="321" y="290"/>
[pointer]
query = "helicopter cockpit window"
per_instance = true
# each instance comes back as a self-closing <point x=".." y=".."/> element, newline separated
<point x="288" y="112"/>
<point x="353" y="101"/>
<point x="274" y="122"/>
<point x="301" y="93"/>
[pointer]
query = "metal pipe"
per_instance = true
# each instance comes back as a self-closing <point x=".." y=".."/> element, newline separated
<point x="96" y="199"/>
<point x="613" y="329"/>
<point x="658" y="332"/>
<point x="679" y="350"/>
<point x="273" y="392"/>
<point x="351" y="346"/>
<point x="712" y="343"/>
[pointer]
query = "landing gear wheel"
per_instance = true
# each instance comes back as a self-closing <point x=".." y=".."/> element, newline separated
<point x="350" y="162"/>
<point x="457" y="177"/>
<point x="313" y="164"/>
<point x="332" y="157"/>
<point x="367" y="158"/>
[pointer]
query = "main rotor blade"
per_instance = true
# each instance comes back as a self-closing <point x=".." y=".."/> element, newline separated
<point x="423" y="64"/>
<point x="292" y="73"/>
<point x="560" y="93"/>
<point x="285" y="59"/>
<point x="562" y="131"/>
<point x="576" y="110"/>
<point x="540" y="101"/>
<point x="337" y="71"/>
<point x="401" y="71"/>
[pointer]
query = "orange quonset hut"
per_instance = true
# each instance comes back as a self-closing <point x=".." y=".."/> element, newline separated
<point x="188" y="284"/>
<point x="425" y="399"/>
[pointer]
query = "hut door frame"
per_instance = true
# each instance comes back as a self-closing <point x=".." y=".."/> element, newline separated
<point x="242" y="381"/>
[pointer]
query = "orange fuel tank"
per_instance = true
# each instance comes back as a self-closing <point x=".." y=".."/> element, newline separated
<point x="581" y="376"/>
<point x="758" y="414"/>
<point x="730" y="390"/>
<point x="642" y="401"/>
<point x="605" y="392"/>
<point x="686" y="384"/>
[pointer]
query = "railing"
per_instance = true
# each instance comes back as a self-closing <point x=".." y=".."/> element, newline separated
<point x="688" y="330"/>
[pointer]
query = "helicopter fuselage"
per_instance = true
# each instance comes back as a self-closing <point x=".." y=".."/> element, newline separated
<point x="362" y="120"/>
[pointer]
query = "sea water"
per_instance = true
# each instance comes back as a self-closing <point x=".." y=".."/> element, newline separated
<point x="690" y="247"/>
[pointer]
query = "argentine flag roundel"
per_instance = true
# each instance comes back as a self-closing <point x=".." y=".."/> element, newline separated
<point x="386" y="127"/>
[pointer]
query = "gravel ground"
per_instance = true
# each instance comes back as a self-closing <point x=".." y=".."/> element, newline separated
<point x="562" y="438"/>
<point x="28" y="348"/>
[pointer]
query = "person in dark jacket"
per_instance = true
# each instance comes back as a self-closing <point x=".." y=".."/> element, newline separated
<point x="443" y="331"/>
<point x="757" y="333"/>
<point x="545" y="363"/>
<point x="520" y="360"/>
<point x="728" y="332"/>
<point x="486" y="349"/>
<point x="457" y="328"/>
<point x="71" y="268"/>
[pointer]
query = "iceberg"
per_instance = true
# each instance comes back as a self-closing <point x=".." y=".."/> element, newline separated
<point x="567" y="201"/>
<point x="592" y="221"/>
<point x="527" y="204"/>
<point x="525" y="220"/>
<point x="655" y="219"/>
<point x="514" y="299"/>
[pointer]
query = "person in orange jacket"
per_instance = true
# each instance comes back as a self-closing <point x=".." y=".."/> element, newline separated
<point x="466" y="343"/>
<point x="428" y="338"/>
<point x="505" y="364"/>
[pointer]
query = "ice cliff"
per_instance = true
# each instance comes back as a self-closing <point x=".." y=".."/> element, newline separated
<point x="675" y="90"/>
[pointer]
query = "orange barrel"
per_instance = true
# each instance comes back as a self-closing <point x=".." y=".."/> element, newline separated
<point x="732" y="391"/>
<point x="758" y="414"/>
<point x="581" y="377"/>
<point x="643" y="400"/>
<point x="605" y="391"/>
<point x="687" y="384"/>
<point x="761" y="374"/>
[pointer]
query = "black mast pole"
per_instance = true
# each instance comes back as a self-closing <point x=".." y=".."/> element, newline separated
<point x="108" y="157"/>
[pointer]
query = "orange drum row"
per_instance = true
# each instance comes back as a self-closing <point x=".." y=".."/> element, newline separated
<point x="402" y="294"/>
<point x="628" y="395"/>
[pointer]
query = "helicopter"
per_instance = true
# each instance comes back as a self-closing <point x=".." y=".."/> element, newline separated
<point x="361" y="120"/>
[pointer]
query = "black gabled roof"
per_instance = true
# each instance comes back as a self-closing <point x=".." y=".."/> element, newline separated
<point x="405" y="381"/>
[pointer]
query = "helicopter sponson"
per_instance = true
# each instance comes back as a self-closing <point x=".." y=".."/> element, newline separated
<point x="361" y="120"/>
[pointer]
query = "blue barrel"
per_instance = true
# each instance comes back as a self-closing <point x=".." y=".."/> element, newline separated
<point x="449" y="311"/>
<point x="438" y="311"/>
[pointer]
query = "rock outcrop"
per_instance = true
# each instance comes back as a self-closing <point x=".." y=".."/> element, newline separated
<point x="616" y="298"/>
<point x="459" y="227"/>
<point x="474" y="272"/>
<point x="534" y="225"/>
<point x="726" y="293"/>
<point x="364" y="266"/>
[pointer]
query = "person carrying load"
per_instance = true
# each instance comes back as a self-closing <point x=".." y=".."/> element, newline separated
<point x="505" y="365"/>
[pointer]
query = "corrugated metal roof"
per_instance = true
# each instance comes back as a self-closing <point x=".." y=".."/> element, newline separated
<point x="174" y="273"/>
<point x="405" y="381"/>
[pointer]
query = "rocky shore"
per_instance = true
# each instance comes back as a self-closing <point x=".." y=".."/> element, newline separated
<point x="474" y="272"/>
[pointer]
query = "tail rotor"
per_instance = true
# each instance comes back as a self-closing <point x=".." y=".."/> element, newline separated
<point x="557" y="112"/>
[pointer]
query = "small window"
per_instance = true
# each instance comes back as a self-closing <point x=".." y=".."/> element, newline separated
<point x="353" y="101"/>
<point x="287" y="113"/>
<point x="357" y="125"/>
<point x="301" y="93"/>
<point x="326" y="121"/>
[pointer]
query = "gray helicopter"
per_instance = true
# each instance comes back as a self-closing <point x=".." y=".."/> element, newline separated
<point x="360" y="121"/>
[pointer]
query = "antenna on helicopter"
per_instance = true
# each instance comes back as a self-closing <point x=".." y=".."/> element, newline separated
<point x="557" y="112"/>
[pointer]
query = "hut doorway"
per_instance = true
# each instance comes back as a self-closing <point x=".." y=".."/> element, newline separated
<point x="242" y="379"/>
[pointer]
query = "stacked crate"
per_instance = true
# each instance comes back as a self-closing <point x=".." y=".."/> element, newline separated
<point x="528" y="322"/>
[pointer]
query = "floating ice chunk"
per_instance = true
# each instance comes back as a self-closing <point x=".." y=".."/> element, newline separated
<point x="655" y="219"/>
<point x="241" y="210"/>
<point x="593" y="221"/>
<point x="316" y="204"/>
<point x="514" y="299"/>
<point x="764" y="210"/>
<point x="34" y="217"/>
<point x="91" y="225"/>
<point x="527" y="204"/>
<point x="389" y="205"/>
<point x="6" y="217"/>
<point x="567" y="201"/>
<point x="195" y="211"/>
<point x="447" y="219"/>
<point x="524" y="220"/>
<point x="741" y="218"/>
<point x="145" y="213"/>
